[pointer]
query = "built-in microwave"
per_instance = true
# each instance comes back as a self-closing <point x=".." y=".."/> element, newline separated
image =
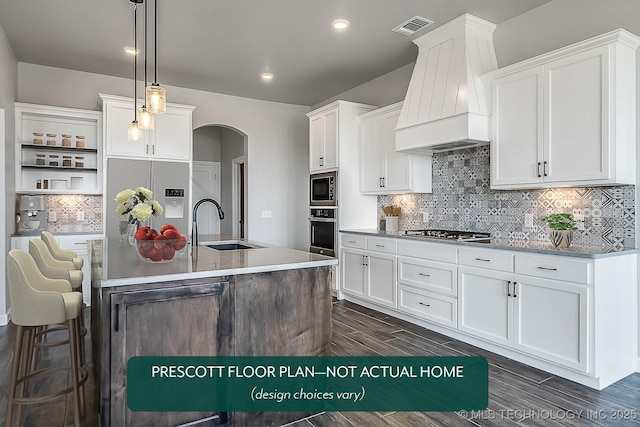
<point x="323" y="191"/>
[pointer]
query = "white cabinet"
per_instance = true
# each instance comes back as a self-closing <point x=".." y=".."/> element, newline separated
<point x="541" y="317"/>
<point x="369" y="273"/>
<point x="58" y="150"/>
<point x="566" y="117"/>
<point x="171" y="138"/>
<point x="323" y="141"/>
<point x="382" y="169"/>
<point x="551" y="320"/>
<point x="329" y="127"/>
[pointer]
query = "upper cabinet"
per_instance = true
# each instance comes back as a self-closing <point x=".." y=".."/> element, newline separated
<point x="566" y="117"/>
<point x="326" y="133"/>
<point x="382" y="169"/>
<point x="58" y="150"/>
<point x="171" y="139"/>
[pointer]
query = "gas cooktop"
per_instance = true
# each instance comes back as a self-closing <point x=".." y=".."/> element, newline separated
<point x="460" y="236"/>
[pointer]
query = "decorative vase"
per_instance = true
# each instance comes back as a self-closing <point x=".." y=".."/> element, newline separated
<point x="561" y="238"/>
<point x="131" y="233"/>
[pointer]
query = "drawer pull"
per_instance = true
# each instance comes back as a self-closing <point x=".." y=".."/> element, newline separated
<point x="379" y="246"/>
<point x="352" y="242"/>
<point x="483" y="259"/>
<point x="426" y="305"/>
<point x="547" y="269"/>
<point x="424" y="274"/>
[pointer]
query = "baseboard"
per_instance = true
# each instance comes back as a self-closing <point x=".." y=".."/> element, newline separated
<point x="4" y="319"/>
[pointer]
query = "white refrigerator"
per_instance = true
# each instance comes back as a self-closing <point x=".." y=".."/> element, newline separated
<point x="169" y="181"/>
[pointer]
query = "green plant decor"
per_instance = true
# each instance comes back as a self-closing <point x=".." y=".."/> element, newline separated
<point x="561" y="221"/>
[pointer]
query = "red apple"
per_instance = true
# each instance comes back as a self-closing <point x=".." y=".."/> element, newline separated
<point x="144" y="248"/>
<point x="181" y="243"/>
<point x="159" y="241"/>
<point x="154" y="233"/>
<point x="155" y="254"/>
<point x="143" y="233"/>
<point x="168" y="252"/>
<point x="171" y="234"/>
<point x="167" y="227"/>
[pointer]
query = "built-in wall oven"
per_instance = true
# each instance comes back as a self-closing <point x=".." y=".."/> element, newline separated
<point x="323" y="231"/>
<point x="323" y="191"/>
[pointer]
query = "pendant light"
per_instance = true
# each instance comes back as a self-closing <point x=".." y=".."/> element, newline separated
<point x="156" y="95"/>
<point x="134" y="133"/>
<point x="145" y="118"/>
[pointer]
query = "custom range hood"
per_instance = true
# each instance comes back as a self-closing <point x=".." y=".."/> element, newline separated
<point x="446" y="107"/>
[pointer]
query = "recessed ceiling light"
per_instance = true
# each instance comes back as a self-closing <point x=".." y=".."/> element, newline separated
<point x="132" y="50"/>
<point x="340" y="24"/>
<point x="266" y="77"/>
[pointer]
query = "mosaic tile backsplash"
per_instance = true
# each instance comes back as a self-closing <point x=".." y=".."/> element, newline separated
<point x="462" y="200"/>
<point x="66" y="207"/>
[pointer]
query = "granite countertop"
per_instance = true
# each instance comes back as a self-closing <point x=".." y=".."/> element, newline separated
<point x="580" y="251"/>
<point x="118" y="263"/>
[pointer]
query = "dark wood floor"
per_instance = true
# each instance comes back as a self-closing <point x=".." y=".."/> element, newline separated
<point x="518" y="395"/>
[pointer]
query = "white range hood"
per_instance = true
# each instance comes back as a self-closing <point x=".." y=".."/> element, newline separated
<point x="446" y="107"/>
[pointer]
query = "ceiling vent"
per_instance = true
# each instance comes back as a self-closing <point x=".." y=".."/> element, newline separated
<point x="412" y="25"/>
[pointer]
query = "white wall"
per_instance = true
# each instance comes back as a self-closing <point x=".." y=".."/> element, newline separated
<point x="8" y="94"/>
<point x="232" y="146"/>
<point x="277" y="141"/>
<point x="206" y="144"/>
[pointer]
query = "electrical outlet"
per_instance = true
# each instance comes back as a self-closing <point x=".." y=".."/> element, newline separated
<point x="79" y="216"/>
<point x="52" y="216"/>
<point x="425" y="217"/>
<point x="266" y="214"/>
<point x="528" y="220"/>
<point x="580" y="219"/>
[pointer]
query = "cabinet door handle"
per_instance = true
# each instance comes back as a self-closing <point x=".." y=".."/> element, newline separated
<point x="508" y="288"/>
<point x="544" y="168"/>
<point x="514" y="289"/>
<point x="116" y="324"/>
<point x="426" y="305"/>
<point x="539" y="176"/>
<point x="321" y="161"/>
<point x="363" y="260"/>
<point x="380" y="182"/>
<point x="483" y="259"/>
<point x="384" y="184"/>
<point x="147" y="148"/>
<point x="153" y="149"/>
<point x="547" y="269"/>
<point x="424" y="274"/>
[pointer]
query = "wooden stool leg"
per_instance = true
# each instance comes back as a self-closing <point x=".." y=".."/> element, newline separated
<point x="73" y="355"/>
<point x="28" y="335"/>
<point x="14" y="375"/>
<point x="81" y="363"/>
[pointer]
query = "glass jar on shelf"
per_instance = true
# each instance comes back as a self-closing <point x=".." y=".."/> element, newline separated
<point x="79" y="161"/>
<point x="66" y="161"/>
<point x="40" y="159"/>
<point x="53" y="160"/>
<point x="66" y="140"/>
<point x="80" y="141"/>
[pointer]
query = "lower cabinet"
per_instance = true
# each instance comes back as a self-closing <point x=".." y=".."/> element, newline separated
<point x="565" y="314"/>
<point x="369" y="275"/>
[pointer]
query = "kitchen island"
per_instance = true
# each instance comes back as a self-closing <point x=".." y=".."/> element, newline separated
<point x="262" y="301"/>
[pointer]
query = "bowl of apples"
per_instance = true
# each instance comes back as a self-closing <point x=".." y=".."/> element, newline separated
<point x="160" y="246"/>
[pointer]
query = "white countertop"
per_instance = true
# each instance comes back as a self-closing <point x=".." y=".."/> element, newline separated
<point x="118" y="264"/>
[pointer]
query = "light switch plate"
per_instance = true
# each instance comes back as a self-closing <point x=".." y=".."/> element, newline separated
<point x="580" y="219"/>
<point x="52" y="216"/>
<point x="425" y="217"/>
<point x="266" y="214"/>
<point x="528" y="220"/>
<point x="79" y="216"/>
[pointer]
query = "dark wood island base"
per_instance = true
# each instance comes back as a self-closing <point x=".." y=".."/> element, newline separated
<point x="274" y="313"/>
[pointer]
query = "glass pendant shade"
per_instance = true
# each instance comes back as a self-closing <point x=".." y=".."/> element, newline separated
<point x="146" y="120"/>
<point x="156" y="99"/>
<point x="134" y="133"/>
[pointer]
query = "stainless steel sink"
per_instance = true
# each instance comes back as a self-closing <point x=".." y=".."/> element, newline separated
<point x="229" y="245"/>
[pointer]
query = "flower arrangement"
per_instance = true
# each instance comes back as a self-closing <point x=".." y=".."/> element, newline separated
<point x="138" y="204"/>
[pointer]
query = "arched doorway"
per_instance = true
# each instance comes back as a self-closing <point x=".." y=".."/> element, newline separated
<point x="220" y="172"/>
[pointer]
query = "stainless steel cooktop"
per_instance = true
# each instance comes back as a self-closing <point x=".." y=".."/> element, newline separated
<point x="460" y="236"/>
